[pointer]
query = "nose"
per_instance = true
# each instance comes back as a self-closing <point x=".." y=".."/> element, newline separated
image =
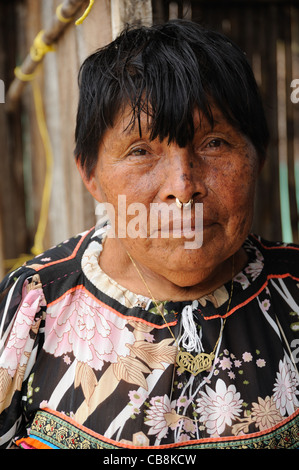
<point x="183" y="179"/>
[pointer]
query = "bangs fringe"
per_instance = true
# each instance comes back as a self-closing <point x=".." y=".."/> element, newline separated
<point x="166" y="71"/>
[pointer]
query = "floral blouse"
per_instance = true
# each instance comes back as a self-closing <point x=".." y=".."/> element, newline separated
<point x="85" y="363"/>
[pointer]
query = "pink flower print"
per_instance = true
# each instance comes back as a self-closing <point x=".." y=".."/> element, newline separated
<point x="225" y="363"/>
<point x="260" y="362"/>
<point x="184" y="438"/>
<point x="137" y="398"/>
<point x="183" y="402"/>
<point x="43" y="404"/>
<point x="189" y="425"/>
<point x="265" y="305"/>
<point x="148" y="337"/>
<point x="285" y="389"/>
<point x="67" y="359"/>
<point x="218" y="408"/>
<point x="19" y="341"/>
<point x="247" y="357"/>
<point x="92" y="332"/>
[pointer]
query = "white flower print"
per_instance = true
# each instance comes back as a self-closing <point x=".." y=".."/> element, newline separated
<point x="242" y="279"/>
<point x="218" y="408"/>
<point x="285" y="389"/>
<point x="161" y="416"/>
<point x="254" y="269"/>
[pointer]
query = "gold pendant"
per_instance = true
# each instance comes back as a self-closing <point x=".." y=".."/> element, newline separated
<point x="196" y="364"/>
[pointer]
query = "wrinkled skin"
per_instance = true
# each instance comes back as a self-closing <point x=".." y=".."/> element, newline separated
<point x="219" y="169"/>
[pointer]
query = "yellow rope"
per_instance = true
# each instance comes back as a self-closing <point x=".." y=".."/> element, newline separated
<point x="59" y="15"/>
<point x="85" y="14"/>
<point x="37" y="51"/>
<point x="39" y="48"/>
<point x="42" y="126"/>
<point x="24" y="77"/>
<point x="41" y="121"/>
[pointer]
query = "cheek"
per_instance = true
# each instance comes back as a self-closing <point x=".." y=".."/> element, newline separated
<point x="240" y="176"/>
<point x="233" y="188"/>
<point x="137" y="185"/>
<point x="123" y="189"/>
<point x="240" y="198"/>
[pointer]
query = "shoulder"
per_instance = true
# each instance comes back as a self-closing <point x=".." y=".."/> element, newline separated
<point x="280" y="259"/>
<point x="54" y="264"/>
<point x="66" y="251"/>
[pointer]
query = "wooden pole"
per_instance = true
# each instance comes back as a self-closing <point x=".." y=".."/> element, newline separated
<point x="68" y="10"/>
<point x="126" y="12"/>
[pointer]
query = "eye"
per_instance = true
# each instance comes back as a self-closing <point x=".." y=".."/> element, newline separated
<point x="138" y="152"/>
<point x="215" y="143"/>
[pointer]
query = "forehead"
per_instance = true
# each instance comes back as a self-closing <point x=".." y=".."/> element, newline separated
<point x="127" y="125"/>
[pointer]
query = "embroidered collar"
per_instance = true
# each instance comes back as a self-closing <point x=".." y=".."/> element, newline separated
<point x="208" y="305"/>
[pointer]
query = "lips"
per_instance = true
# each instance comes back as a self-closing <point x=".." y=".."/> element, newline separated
<point x="183" y="229"/>
<point x="187" y="223"/>
<point x="181" y="223"/>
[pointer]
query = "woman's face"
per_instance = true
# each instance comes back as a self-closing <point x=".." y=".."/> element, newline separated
<point x="218" y="169"/>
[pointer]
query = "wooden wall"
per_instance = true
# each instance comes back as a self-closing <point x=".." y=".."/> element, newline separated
<point x="23" y="168"/>
<point x="267" y="30"/>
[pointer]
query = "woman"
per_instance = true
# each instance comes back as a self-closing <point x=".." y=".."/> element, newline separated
<point x="123" y="337"/>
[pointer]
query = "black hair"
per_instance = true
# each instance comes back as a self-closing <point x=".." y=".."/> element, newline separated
<point x="167" y="71"/>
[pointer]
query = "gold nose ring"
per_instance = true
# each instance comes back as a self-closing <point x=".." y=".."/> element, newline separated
<point x="183" y="204"/>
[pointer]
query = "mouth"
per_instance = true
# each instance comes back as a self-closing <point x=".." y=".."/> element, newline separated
<point x="180" y="228"/>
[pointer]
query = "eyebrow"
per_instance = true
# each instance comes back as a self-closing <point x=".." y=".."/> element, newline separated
<point x="135" y="126"/>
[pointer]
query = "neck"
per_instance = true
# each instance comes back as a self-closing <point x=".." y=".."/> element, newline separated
<point x="143" y="280"/>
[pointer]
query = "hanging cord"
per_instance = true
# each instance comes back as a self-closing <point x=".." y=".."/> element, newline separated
<point x="190" y="338"/>
<point x="85" y="14"/>
<point x="80" y="20"/>
<point x="39" y="48"/>
<point x="37" y="52"/>
<point x="24" y="77"/>
<point x="42" y="126"/>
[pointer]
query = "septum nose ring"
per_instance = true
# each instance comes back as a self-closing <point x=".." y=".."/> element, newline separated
<point x="183" y="204"/>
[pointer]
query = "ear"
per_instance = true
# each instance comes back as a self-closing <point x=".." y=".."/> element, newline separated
<point x="91" y="183"/>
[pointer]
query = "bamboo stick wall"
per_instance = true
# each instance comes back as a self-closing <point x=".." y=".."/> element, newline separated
<point x="269" y="33"/>
<point x="71" y="208"/>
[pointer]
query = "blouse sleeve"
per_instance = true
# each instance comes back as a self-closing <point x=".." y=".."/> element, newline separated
<point x="22" y="308"/>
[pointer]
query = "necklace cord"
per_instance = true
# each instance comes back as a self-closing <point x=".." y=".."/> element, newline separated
<point x="212" y="354"/>
<point x="153" y="299"/>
